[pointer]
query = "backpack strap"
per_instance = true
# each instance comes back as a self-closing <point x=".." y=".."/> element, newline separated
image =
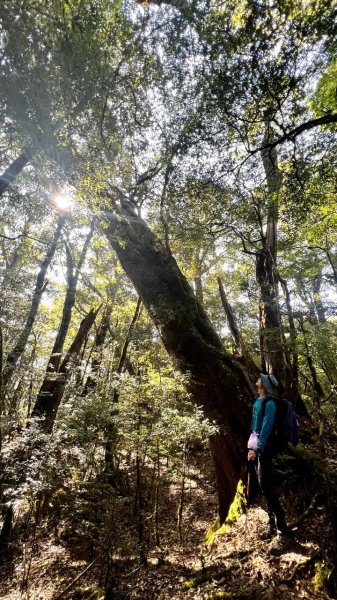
<point x="264" y="402"/>
<point x="276" y="420"/>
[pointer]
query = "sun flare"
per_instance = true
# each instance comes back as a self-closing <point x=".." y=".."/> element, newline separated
<point x="63" y="201"/>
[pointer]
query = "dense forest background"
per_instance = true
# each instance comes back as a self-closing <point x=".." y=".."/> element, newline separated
<point x="168" y="230"/>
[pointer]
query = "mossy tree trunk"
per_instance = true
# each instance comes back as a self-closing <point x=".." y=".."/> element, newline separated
<point x="216" y="382"/>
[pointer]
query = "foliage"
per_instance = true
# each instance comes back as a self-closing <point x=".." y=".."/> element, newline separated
<point x="322" y="573"/>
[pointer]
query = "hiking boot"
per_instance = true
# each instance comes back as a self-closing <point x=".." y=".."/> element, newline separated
<point x="280" y="545"/>
<point x="268" y="533"/>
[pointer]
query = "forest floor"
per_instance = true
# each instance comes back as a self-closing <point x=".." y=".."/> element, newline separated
<point x="236" y="566"/>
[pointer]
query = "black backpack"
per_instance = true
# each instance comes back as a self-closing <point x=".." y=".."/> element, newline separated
<point x="285" y="428"/>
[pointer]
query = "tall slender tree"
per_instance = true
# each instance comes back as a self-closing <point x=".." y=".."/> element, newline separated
<point x="20" y="345"/>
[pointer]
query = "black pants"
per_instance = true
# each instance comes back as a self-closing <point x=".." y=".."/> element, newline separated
<point x="264" y="473"/>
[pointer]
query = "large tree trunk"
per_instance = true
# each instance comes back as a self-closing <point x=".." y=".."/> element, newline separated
<point x="216" y="382"/>
<point x="51" y="391"/>
<point x="19" y="348"/>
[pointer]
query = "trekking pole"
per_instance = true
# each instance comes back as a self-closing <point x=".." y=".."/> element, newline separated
<point x="247" y="503"/>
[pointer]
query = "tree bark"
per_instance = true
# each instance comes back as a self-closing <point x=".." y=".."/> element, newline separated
<point x="69" y="301"/>
<point x="273" y="342"/>
<point x="293" y="394"/>
<point x="231" y="320"/>
<point x="270" y="318"/>
<point x="110" y="442"/>
<point x="9" y="175"/>
<point x="52" y="389"/>
<point x="91" y="381"/>
<point x="1" y="385"/>
<point x="6" y="533"/>
<point x="19" y="348"/>
<point x="179" y="4"/>
<point x="216" y="382"/>
<point x="333" y="266"/>
<point x="317" y="299"/>
<point x="129" y="336"/>
<point x="251" y="370"/>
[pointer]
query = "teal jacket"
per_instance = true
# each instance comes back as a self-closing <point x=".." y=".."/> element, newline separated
<point x="263" y="423"/>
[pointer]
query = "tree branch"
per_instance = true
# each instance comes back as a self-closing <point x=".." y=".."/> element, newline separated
<point x="293" y="133"/>
<point x="16" y="237"/>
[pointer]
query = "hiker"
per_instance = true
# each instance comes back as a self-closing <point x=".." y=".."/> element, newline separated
<point x="261" y="453"/>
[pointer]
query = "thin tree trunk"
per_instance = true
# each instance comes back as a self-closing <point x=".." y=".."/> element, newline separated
<point x="293" y="393"/>
<point x="14" y="169"/>
<point x="270" y="318"/>
<point x="317" y="299"/>
<point x="199" y="289"/>
<point x="156" y="498"/>
<point x="262" y="340"/>
<point x="69" y="301"/>
<point x="140" y="513"/>
<point x="216" y="382"/>
<point x="182" y="493"/>
<point x="31" y="382"/>
<point x="51" y="392"/>
<point x="1" y="386"/>
<point x="199" y="292"/>
<point x="231" y="320"/>
<point x="318" y="389"/>
<point x="20" y="346"/>
<point x="129" y="336"/>
<point x="6" y="532"/>
<point x="241" y="355"/>
<point x="111" y="434"/>
<point x="333" y="266"/>
<point x="91" y="381"/>
<point x="45" y="408"/>
<point x="12" y="263"/>
<point x="306" y="295"/>
<point x="273" y="342"/>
